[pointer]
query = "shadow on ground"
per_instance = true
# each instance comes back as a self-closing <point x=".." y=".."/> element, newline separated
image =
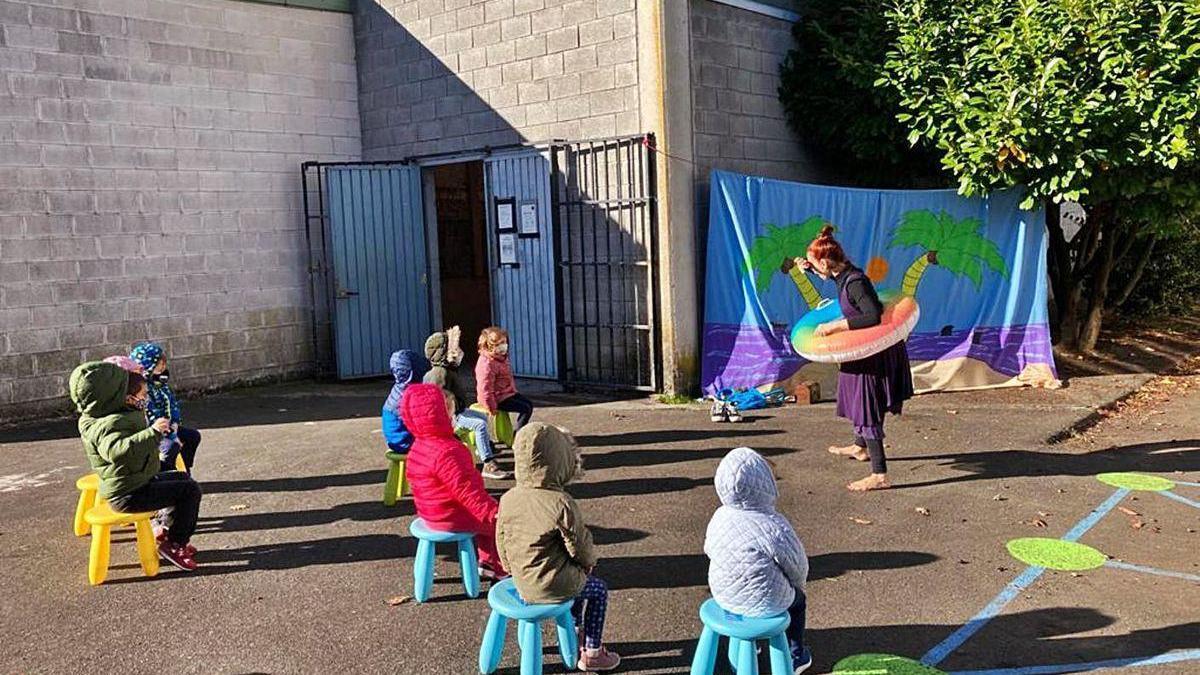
<point x="1162" y="457"/>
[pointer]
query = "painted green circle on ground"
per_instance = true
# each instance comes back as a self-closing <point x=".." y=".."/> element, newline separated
<point x="1135" y="481"/>
<point x="1055" y="554"/>
<point x="882" y="664"/>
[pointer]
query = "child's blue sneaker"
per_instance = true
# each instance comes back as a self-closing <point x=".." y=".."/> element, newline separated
<point x="801" y="659"/>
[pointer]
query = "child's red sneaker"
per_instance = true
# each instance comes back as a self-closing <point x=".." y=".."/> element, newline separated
<point x="177" y="555"/>
<point x="160" y="535"/>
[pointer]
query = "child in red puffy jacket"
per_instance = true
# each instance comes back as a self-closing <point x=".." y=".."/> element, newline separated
<point x="447" y="490"/>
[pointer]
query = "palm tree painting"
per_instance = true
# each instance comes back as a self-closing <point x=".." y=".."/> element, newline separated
<point x="773" y="252"/>
<point x="955" y="245"/>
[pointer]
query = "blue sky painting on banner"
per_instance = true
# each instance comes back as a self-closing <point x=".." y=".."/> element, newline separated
<point x="976" y="267"/>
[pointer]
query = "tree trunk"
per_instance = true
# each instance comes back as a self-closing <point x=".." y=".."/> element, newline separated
<point x="1147" y="252"/>
<point x="1090" y="333"/>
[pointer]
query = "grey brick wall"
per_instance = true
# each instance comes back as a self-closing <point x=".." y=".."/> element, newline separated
<point x="738" y="119"/>
<point x="149" y="184"/>
<point x="446" y="75"/>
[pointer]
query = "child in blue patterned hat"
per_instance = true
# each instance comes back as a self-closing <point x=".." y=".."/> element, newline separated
<point x="164" y="405"/>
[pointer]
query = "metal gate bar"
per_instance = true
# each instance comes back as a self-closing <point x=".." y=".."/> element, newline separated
<point x="605" y="223"/>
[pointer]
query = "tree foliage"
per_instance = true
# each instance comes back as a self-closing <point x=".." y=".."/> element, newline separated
<point x="1085" y="100"/>
<point x="830" y="100"/>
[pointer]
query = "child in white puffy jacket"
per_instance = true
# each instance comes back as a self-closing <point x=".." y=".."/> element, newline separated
<point x="757" y="566"/>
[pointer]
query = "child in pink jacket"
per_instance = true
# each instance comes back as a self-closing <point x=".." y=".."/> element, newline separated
<point x="494" y="384"/>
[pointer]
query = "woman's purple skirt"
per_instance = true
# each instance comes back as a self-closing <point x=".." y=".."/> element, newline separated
<point x="872" y="387"/>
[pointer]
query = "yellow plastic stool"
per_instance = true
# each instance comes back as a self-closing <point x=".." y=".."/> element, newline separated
<point x="88" y="486"/>
<point x="499" y="425"/>
<point x="394" y="487"/>
<point x="102" y="518"/>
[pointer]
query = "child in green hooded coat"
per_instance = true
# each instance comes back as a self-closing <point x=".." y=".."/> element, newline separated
<point x="543" y="541"/>
<point x="123" y="451"/>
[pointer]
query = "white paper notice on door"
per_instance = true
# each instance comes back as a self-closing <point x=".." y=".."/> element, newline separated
<point x="508" y="249"/>
<point x="528" y="222"/>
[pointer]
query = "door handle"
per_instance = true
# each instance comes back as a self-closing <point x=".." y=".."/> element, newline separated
<point x="343" y="293"/>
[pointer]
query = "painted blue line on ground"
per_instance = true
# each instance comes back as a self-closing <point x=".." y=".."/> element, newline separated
<point x="1151" y="570"/>
<point x="1184" y="482"/>
<point x="1183" y="500"/>
<point x="1013" y="589"/>
<point x="1094" y="517"/>
<point x="1161" y="659"/>
<point x="957" y="638"/>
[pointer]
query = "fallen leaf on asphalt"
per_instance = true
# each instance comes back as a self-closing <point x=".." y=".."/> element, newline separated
<point x="860" y="521"/>
<point x="952" y="412"/>
<point x="922" y="510"/>
<point x="239" y="507"/>
<point x="1045" y="514"/>
<point x="1136" y="524"/>
<point x="1128" y="512"/>
<point x="398" y="600"/>
<point x="999" y="498"/>
<point x="1036" y="522"/>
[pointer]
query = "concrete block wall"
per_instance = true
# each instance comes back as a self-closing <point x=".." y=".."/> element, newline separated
<point x="447" y="75"/>
<point x="738" y="120"/>
<point x="150" y="184"/>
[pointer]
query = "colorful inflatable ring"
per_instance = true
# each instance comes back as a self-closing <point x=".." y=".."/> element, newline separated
<point x="900" y="314"/>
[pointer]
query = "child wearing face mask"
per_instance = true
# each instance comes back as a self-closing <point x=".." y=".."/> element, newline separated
<point x="123" y="451"/>
<point x="494" y="383"/>
<point x="445" y="356"/>
<point x="165" y="405"/>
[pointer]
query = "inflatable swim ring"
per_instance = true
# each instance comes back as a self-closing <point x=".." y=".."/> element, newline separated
<point x="900" y="314"/>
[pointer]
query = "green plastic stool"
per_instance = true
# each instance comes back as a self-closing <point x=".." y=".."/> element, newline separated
<point x="393" y="489"/>
<point x="499" y="424"/>
<point x="468" y="440"/>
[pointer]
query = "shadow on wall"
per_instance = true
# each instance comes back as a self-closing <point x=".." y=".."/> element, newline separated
<point x="413" y="102"/>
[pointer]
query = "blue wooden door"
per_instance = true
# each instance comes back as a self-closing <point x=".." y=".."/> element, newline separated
<point x="380" y="266"/>
<point x="523" y="295"/>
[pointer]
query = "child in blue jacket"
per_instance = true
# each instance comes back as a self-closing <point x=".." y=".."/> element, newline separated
<point x="407" y="367"/>
<point x="165" y="405"/>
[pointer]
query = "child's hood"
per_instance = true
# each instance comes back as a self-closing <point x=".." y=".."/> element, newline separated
<point x="424" y="412"/>
<point x="545" y="457"/>
<point x="98" y="389"/>
<point x="441" y="348"/>
<point x="744" y="481"/>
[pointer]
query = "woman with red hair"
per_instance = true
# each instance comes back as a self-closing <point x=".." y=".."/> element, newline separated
<point x="871" y="387"/>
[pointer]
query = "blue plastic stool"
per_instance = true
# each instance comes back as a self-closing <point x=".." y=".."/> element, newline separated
<point x="742" y="632"/>
<point x="507" y="604"/>
<point x="427" y="541"/>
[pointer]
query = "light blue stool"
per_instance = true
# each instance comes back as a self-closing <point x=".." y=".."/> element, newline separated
<point x="743" y="632"/>
<point x="507" y="604"/>
<point x="427" y="540"/>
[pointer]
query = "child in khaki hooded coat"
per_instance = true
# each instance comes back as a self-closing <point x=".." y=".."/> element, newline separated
<point x="543" y="541"/>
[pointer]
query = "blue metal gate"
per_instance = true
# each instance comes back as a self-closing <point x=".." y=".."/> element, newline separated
<point x="523" y="286"/>
<point x="380" y="265"/>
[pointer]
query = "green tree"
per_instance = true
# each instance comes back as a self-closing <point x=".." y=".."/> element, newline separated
<point x="773" y="252"/>
<point x="1094" y="101"/>
<point x="955" y="245"/>
<point x="829" y="98"/>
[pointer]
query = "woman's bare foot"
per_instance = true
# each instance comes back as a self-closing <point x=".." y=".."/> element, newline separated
<point x="876" y="481"/>
<point x="850" y="451"/>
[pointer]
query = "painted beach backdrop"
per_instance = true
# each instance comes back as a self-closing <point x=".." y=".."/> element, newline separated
<point x="975" y="266"/>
